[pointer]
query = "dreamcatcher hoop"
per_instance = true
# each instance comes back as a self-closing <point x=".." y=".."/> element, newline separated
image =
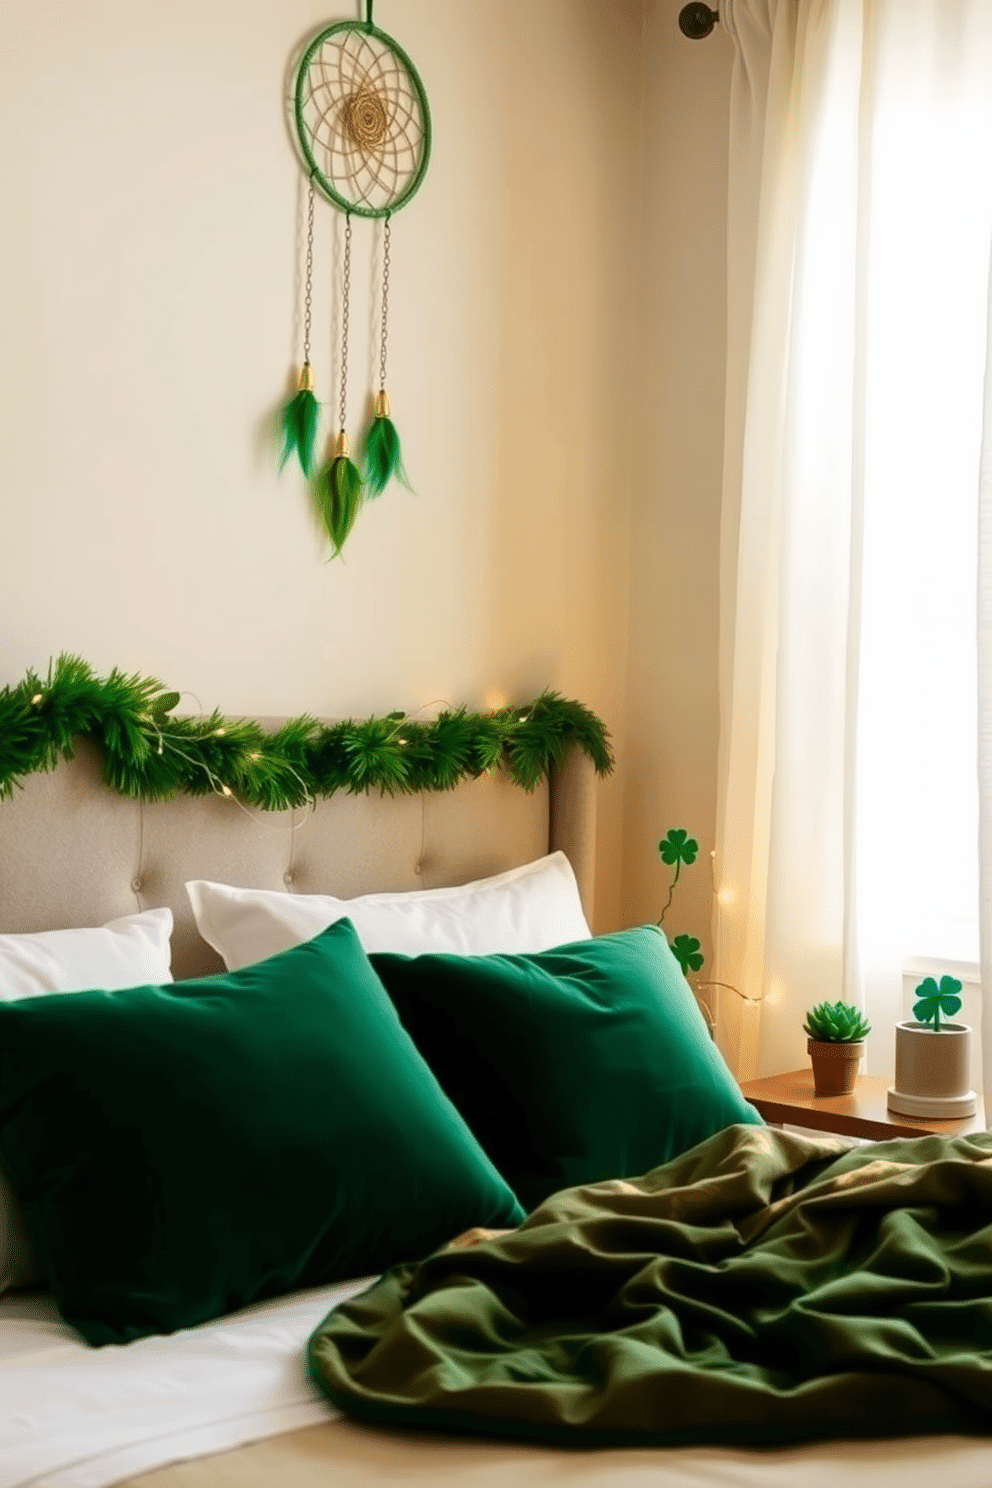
<point x="362" y="118"/>
<point x="364" y="129"/>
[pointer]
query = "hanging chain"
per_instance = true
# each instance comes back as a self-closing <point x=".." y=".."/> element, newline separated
<point x="308" y="302"/>
<point x="385" y="305"/>
<point x="344" y="317"/>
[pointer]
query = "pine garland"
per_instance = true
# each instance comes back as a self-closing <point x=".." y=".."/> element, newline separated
<point x="150" y="754"/>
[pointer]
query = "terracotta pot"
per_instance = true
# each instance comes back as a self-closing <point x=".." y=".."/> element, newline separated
<point x="933" y="1071"/>
<point x="835" y="1066"/>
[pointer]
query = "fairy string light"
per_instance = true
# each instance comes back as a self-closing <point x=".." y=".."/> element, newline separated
<point x="151" y="753"/>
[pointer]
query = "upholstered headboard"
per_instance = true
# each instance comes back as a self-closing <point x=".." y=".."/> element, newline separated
<point x="73" y="852"/>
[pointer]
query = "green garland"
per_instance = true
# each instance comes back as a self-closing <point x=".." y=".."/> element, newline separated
<point x="152" y="755"/>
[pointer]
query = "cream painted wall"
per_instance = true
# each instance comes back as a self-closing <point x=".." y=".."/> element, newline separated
<point x="149" y="321"/>
<point x="672" y="716"/>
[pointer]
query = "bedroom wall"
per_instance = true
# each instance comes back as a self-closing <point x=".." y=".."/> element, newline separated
<point x="149" y="254"/>
<point x="672" y="716"/>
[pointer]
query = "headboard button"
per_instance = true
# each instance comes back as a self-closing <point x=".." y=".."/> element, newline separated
<point x="287" y="878"/>
<point x="418" y="866"/>
<point x="137" y="885"/>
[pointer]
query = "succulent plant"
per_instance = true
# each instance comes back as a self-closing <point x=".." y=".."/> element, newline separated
<point x="836" y="1023"/>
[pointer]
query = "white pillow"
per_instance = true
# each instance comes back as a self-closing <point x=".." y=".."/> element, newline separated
<point x="128" y="952"/>
<point x="525" y="909"/>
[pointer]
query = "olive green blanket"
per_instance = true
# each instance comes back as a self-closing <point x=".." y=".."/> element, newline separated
<point x="762" y="1288"/>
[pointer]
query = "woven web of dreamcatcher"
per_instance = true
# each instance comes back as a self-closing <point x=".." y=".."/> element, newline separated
<point x="364" y="117"/>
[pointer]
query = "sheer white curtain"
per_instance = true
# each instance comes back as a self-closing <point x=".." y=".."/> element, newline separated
<point x="858" y="290"/>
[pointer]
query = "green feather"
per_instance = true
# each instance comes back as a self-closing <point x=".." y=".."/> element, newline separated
<point x="383" y="457"/>
<point x="300" y="417"/>
<point x="339" y="495"/>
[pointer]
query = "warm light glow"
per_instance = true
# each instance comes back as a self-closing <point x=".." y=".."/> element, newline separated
<point x="494" y="699"/>
<point x="220" y="731"/>
<point x="36" y="699"/>
<point x="727" y="895"/>
<point x="924" y="365"/>
<point x="225" y="790"/>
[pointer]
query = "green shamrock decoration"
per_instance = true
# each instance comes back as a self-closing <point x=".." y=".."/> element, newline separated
<point x="687" y="952"/>
<point x="674" y="849"/>
<point x="935" y="1000"/>
<point x="677" y="848"/>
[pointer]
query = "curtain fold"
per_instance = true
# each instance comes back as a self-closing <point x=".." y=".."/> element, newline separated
<point x="860" y="215"/>
<point x="985" y="709"/>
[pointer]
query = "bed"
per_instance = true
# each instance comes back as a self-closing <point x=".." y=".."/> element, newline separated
<point x="229" y="1400"/>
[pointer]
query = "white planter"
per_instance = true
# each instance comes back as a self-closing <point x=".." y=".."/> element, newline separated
<point x="932" y="1071"/>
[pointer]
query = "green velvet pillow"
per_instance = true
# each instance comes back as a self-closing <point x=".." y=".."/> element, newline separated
<point x="180" y="1151"/>
<point x="586" y="1062"/>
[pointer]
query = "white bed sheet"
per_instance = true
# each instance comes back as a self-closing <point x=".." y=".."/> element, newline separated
<point x="72" y="1416"/>
<point x="76" y="1417"/>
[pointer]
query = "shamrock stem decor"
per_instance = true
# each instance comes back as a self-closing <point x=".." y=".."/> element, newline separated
<point x="674" y="849"/>
<point x="935" y="1000"/>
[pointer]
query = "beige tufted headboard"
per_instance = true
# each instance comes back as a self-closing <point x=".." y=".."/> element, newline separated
<point x="72" y="852"/>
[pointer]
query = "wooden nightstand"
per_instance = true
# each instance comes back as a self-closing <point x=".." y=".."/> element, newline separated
<point x="789" y="1100"/>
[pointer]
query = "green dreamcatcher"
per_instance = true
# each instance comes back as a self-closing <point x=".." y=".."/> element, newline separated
<point x="364" y="130"/>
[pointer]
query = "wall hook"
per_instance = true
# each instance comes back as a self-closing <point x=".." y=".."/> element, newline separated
<point x="697" y="21"/>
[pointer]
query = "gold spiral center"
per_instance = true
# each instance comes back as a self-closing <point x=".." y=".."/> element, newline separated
<point x="365" y="118"/>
